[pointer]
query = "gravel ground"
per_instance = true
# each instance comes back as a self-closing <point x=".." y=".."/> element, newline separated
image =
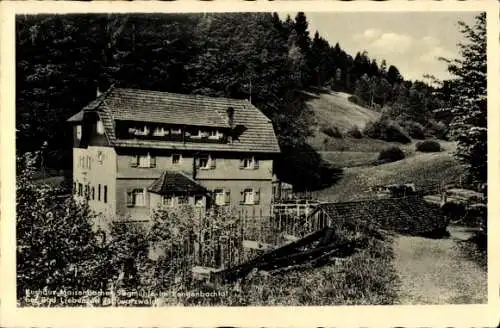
<point x="434" y="271"/>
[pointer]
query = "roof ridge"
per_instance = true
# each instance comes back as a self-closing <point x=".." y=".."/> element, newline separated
<point x="182" y="94"/>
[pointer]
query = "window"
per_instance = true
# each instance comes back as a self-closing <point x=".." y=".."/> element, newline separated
<point x="99" y="192"/>
<point x="105" y="194"/>
<point x="249" y="163"/>
<point x="219" y="197"/>
<point x="176" y="131"/>
<point x="100" y="127"/>
<point x="79" y="132"/>
<point x="136" y="198"/>
<point x="93" y="193"/>
<point x="207" y="162"/>
<point x="222" y="196"/>
<point x="160" y="132"/>
<point x="197" y="135"/>
<point x="168" y="200"/>
<point x="182" y="200"/>
<point x="143" y="131"/>
<point x="143" y="161"/>
<point x="214" y="134"/>
<point x="87" y="192"/>
<point x="74" y="188"/>
<point x="80" y="189"/>
<point x="176" y="159"/>
<point x="198" y="201"/>
<point x="250" y="196"/>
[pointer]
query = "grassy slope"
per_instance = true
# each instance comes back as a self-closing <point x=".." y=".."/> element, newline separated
<point x="423" y="169"/>
<point x="333" y="108"/>
<point x="356" y="155"/>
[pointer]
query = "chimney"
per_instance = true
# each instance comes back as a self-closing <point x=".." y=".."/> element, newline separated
<point x="230" y="122"/>
<point x="230" y="117"/>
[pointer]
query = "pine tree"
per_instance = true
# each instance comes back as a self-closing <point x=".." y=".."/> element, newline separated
<point x="468" y="99"/>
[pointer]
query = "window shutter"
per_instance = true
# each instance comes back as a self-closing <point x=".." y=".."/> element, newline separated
<point x="227" y="198"/>
<point x="256" y="196"/>
<point x="242" y="163"/>
<point x="212" y="162"/>
<point x="134" y="161"/>
<point x="242" y="197"/>
<point x="152" y="161"/>
<point x="256" y="163"/>
<point x="130" y="198"/>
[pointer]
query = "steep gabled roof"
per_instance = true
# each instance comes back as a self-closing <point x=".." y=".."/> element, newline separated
<point x="411" y="215"/>
<point x="176" y="182"/>
<point x="257" y="132"/>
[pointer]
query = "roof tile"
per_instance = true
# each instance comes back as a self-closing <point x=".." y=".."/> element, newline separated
<point x="172" y="108"/>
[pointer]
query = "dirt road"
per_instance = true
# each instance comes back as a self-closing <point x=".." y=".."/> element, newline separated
<point x="434" y="271"/>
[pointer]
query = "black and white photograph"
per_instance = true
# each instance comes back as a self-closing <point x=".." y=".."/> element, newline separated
<point x="277" y="158"/>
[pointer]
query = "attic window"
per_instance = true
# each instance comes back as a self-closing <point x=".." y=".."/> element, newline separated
<point x="176" y="131"/>
<point x="100" y="127"/>
<point x="214" y="134"/>
<point x="160" y="132"/>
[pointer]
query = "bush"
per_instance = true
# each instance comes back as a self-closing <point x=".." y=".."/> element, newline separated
<point x="437" y="130"/>
<point x="386" y="129"/>
<point x="332" y="131"/>
<point x="428" y="146"/>
<point x="355" y="100"/>
<point x="355" y="132"/>
<point x="391" y="154"/>
<point x="414" y="129"/>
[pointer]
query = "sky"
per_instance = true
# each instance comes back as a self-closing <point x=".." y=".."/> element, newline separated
<point x="411" y="41"/>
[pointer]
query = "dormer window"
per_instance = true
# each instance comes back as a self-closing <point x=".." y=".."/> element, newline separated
<point x="160" y="132"/>
<point x="100" y="127"/>
<point x="176" y="131"/>
<point x="142" y="132"/>
<point x="79" y="132"/>
<point x="214" y="134"/>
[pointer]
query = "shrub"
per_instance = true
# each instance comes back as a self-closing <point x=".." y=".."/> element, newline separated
<point x="414" y="129"/>
<point x="391" y="154"/>
<point x="437" y="130"/>
<point x="428" y="146"/>
<point x="355" y="132"/>
<point x="386" y="129"/>
<point x="332" y="131"/>
<point x="356" y="100"/>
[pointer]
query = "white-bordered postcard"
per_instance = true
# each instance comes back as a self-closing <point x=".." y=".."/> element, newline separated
<point x="225" y="163"/>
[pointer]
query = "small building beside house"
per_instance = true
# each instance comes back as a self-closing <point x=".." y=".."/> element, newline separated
<point x="134" y="150"/>
<point x="281" y="190"/>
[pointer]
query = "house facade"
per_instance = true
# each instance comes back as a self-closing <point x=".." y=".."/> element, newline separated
<point x="136" y="150"/>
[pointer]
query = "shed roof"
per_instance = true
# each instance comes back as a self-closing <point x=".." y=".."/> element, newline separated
<point x="404" y="215"/>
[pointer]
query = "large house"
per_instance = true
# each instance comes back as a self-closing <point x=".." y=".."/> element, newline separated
<point x="136" y="150"/>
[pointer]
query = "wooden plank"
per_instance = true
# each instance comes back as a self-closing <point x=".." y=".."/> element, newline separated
<point x="243" y="269"/>
<point x="203" y="273"/>
<point x="252" y="244"/>
<point x="290" y="238"/>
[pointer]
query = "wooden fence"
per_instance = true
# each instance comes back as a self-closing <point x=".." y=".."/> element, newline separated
<point x="245" y="237"/>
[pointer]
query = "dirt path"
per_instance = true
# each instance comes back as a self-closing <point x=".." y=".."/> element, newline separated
<point x="433" y="271"/>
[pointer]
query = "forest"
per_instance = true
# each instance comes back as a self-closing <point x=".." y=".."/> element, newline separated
<point x="63" y="59"/>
